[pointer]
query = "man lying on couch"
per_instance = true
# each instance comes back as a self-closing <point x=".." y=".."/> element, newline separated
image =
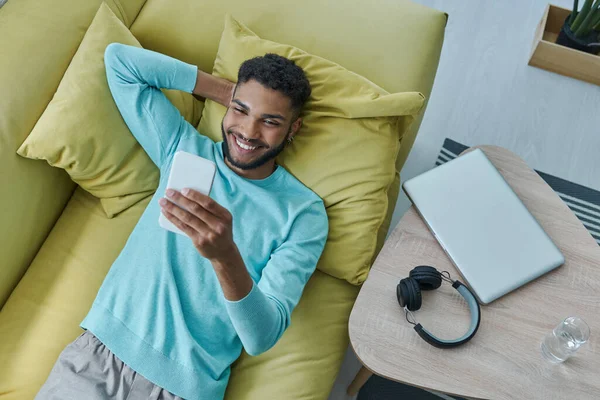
<point x="173" y="312"/>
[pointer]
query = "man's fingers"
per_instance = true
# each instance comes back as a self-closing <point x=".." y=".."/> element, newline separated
<point x="188" y="230"/>
<point x="193" y="207"/>
<point x="206" y="202"/>
<point x="184" y="216"/>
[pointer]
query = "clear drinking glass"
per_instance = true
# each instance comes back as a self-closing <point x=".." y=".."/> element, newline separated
<point x="565" y="339"/>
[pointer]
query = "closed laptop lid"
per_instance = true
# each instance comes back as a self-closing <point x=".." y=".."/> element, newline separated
<point x="491" y="237"/>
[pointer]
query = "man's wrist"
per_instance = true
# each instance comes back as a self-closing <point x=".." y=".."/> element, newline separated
<point x="226" y="92"/>
<point x="230" y="258"/>
<point x="214" y="88"/>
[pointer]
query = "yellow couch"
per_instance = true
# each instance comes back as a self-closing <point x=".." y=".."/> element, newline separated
<point x="56" y="243"/>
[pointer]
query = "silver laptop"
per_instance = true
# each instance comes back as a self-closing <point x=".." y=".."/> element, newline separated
<point x="488" y="233"/>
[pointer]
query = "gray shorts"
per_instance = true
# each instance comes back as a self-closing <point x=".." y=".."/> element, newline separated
<point x="86" y="369"/>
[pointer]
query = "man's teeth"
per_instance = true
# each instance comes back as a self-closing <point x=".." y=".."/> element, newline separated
<point x="245" y="147"/>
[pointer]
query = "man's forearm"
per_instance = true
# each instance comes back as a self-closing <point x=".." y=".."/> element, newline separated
<point x="214" y="88"/>
<point x="233" y="276"/>
<point x="258" y="319"/>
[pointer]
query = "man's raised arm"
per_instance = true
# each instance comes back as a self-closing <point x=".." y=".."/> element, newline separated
<point x="135" y="77"/>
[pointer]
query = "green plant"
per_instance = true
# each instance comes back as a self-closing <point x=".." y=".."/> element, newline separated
<point x="587" y="19"/>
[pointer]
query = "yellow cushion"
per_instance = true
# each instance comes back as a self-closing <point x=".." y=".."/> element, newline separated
<point x="345" y="151"/>
<point x="43" y="314"/>
<point x="37" y="42"/>
<point x="83" y="132"/>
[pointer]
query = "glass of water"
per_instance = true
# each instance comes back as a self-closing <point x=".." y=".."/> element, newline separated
<point x="565" y="339"/>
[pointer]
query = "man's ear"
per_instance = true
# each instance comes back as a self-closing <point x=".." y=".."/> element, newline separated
<point x="296" y="125"/>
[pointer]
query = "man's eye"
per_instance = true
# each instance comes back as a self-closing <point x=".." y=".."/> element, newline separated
<point x="271" y="122"/>
<point x="239" y="110"/>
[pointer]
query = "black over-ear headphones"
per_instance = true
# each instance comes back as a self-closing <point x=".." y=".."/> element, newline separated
<point x="425" y="277"/>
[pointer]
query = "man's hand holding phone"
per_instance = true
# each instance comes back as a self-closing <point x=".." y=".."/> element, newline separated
<point x="207" y="223"/>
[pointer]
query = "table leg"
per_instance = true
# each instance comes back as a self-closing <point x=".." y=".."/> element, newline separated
<point x="359" y="380"/>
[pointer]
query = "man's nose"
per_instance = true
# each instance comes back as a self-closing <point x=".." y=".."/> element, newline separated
<point x="250" y="130"/>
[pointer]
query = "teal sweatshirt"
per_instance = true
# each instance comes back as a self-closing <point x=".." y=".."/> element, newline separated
<point x="161" y="309"/>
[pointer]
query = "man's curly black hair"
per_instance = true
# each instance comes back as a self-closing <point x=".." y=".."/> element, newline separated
<point x="280" y="74"/>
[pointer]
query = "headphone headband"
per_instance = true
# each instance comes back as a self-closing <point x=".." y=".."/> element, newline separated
<point x="425" y="278"/>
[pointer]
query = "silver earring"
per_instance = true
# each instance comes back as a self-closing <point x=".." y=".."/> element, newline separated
<point x="290" y="140"/>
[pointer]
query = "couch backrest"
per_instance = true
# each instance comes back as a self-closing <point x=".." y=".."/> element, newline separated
<point x="38" y="40"/>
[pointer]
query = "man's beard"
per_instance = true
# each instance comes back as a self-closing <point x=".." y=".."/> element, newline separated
<point x="259" y="162"/>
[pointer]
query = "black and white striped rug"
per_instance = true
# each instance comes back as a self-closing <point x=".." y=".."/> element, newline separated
<point x="585" y="204"/>
<point x="583" y="201"/>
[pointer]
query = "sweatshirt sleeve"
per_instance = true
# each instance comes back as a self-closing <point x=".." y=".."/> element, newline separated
<point x="135" y="77"/>
<point x="264" y="314"/>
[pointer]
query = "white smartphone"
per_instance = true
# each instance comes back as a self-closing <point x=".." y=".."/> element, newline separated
<point x="188" y="171"/>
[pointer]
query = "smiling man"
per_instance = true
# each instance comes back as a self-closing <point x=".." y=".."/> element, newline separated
<point x="264" y="102"/>
<point x="174" y="312"/>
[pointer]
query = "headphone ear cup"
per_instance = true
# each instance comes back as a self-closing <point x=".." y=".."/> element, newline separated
<point x="409" y="294"/>
<point x="428" y="278"/>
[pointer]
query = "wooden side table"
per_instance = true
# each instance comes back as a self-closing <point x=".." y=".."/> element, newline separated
<point x="503" y="361"/>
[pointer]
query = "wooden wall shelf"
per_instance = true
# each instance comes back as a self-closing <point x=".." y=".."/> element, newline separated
<point x="548" y="55"/>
